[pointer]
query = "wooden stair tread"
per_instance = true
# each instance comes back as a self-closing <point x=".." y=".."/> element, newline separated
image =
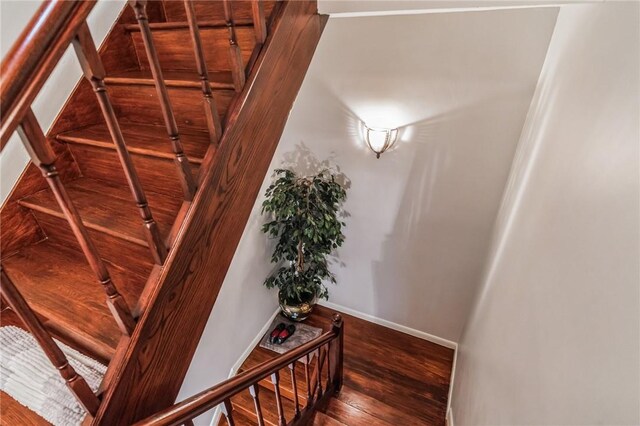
<point x="244" y="402"/>
<point x="239" y="419"/>
<point x="13" y="413"/>
<point x="64" y="291"/>
<point x="179" y="25"/>
<point x="260" y="355"/>
<point x="108" y="208"/>
<point x="321" y="419"/>
<point x="211" y="10"/>
<point x="141" y="139"/>
<point x="173" y="78"/>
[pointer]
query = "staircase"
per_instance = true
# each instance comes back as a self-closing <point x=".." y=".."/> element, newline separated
<point x="366" y="375"/>
<point x="150" y="171"/>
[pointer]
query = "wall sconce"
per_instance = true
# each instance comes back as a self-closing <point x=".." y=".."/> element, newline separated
<point x="379" y="140"/>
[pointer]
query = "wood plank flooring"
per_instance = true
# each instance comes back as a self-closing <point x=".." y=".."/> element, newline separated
<point x="391" y="378"/>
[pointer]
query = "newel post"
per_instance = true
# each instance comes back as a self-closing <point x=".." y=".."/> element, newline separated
<point x="337" y="352"/>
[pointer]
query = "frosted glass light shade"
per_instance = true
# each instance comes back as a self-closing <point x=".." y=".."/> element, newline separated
<point x="379" y="140"/>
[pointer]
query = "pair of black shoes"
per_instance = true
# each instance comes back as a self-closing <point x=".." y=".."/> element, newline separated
<point x="281" y="333"/>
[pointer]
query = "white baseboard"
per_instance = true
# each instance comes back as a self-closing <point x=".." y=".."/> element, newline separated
<point x="449" y="398"/>
<point x="234" y="369"/>
<point x="392" y="325"/>
<point x="252" y="345"/>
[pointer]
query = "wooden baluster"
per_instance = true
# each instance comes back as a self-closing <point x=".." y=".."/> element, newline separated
<point x="227" y="410"/>
<point x="253" y="390"/>
<point x="259" y="21"/>
<point x="337" y="353"/>
<point x="237" y="68"/>
<point x="328" y="351"/>
<point x="184" y="169"/>
<point x="292" y="367"/>
<point x="210" y="110"/>
<point x="94" y="72"/>
<point x="76" y="383"/>
<point x="275" y="379"/>
<point x="307" y="377"/>
<point x="319" y="364"/>
<point x="42" y="156"/>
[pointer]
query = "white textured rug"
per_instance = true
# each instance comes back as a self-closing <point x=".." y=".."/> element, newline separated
<point x="28" y="376"/>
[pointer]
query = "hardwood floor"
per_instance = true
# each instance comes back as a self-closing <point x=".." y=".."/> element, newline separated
<point x="390" y="378"/>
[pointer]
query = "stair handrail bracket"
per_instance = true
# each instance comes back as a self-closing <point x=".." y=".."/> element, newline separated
<point x="329" y="347"/>
<point x="33" y="57"/>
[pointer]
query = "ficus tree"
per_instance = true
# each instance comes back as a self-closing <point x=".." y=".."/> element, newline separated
<point x="303" y="213"/>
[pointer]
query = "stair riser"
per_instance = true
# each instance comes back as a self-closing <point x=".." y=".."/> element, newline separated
<point x="136" y="258"/>
<point x="156" y="174"/>
<point x="140" y="104"/>
<point x="286" y="390"/>
<point x="175" y="50"/>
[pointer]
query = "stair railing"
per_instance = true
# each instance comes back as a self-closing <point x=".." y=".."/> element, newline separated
<point x="329" y="348"/>
<point x="56" y="25"/>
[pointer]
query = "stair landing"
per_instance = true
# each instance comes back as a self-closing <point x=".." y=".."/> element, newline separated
<point x="390" y="378"/>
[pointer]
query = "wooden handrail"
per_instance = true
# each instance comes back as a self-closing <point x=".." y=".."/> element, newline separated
<point x="33" y="57"/>
<point x="194" y="406"/>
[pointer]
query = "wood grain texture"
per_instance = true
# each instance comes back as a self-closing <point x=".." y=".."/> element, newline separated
<point x="144" y="108"/>
<point x="49" y="286"/>
<point x="157" y="176"/>
<point x="34" y="55"/>
<point x="94" y="72"/>
<point x="80" y="110"/>
<point x="172" y="78"/>
<point x="244" y="402"/>
<point x="134" y="257"/>
<point x="391" y="378"/>
<point x="144" y="140"/>
<point x="74" y="381"/>
<point x="173" y="55"/>
<point x="214" y="225"/>
<point x="19" y="227"/>
<point x="260" y="355"/>
<point x="115" y="215"/>
<point x="206" y="10"/>
<point x="13" y="413"/>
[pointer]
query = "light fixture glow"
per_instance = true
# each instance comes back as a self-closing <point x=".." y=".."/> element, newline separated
<point x="379" y="139"/>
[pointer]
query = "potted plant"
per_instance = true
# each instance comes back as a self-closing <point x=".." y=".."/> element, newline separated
<point x="303" y="213"/>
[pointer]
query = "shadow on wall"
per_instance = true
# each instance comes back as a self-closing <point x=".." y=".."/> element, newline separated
<point x="423" y="212"/>
<point x="305" y="163"/>
<point x="430" y="262"/>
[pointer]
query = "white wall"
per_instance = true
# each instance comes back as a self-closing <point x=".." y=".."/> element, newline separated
<point x="554" y="338"/>
<point x="459" y="85"/>
<point x="14" y="16"/>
